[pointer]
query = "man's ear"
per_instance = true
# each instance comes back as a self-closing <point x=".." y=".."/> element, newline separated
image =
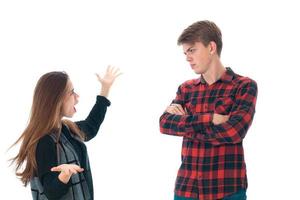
<point x="212" y="47"/>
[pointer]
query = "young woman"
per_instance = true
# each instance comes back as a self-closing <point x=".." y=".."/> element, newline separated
<point x="52" y="156"/>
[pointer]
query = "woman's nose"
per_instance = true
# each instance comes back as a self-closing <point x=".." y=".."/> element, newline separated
<point x="76" y="97"/>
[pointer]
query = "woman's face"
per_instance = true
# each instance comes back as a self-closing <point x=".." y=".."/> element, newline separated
<point x="71" y="99"/>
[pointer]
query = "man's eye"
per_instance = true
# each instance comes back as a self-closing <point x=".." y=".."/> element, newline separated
<point x="190" y="51"/>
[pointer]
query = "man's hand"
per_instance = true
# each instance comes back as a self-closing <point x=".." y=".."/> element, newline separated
<point x="66" y="171"/>
<point x="175" y="109"/>
<point x="219" y="119"/>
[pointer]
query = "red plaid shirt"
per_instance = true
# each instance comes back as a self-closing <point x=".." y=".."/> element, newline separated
<point x="213" y="163"/>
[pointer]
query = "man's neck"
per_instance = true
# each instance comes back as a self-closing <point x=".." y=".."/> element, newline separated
<point x="214" y="72"/>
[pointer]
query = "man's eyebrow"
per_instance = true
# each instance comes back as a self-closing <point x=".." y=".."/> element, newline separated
<point x="188" y="49"/>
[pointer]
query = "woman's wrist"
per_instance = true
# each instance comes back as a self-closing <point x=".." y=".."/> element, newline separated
<point x="63" y="178"/>
<point x="105" y="91"/>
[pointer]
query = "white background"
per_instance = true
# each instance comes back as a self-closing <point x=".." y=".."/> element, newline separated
<point x="130" y="158"/>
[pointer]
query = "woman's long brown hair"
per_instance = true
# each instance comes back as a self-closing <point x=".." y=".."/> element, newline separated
<point x="45" y="118"/>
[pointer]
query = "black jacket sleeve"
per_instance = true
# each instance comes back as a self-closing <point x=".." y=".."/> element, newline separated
<point x="46" y="158"/>
<point x="91" y="124"/>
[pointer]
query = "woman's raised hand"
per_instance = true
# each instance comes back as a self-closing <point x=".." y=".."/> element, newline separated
<point x="108" y="79"/>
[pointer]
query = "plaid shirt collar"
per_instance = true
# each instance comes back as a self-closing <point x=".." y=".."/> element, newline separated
<point x="226" y="77"/>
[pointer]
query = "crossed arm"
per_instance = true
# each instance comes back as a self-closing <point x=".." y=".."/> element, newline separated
<point x="212" y="127"/>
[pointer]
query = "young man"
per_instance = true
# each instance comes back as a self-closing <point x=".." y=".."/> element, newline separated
<point x="213" y="114"/>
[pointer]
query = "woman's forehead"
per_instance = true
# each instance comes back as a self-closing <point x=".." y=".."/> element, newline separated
<point x="70" y="85"/>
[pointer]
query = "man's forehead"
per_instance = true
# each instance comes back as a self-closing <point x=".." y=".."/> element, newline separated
<point x="187" y="46"/>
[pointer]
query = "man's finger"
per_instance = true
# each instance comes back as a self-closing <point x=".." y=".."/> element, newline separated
<point x="170" y="110"/>
<point x="178" y="108"/>
<point x="185" y="111"/>
<point x="177" y="111"/>
<point x="181" y="109"/>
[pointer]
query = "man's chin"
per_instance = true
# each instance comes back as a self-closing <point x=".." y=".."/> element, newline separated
<point x="198" y="71"/>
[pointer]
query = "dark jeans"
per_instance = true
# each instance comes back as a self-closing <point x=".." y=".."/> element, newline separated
<point x="240" y="195"/>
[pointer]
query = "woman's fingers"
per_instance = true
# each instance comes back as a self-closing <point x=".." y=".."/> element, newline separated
<point x="67" y="168"/>
<point x="55" y="169"/>
<point x="98" y="77"/>
<point x="111" y="74"/>
<point x="108" y="69"/>
<point x="66" y="171"/>
<point x="73" y="171"/>
<point x="77" y="168"/>
<point x="115" y="71"/>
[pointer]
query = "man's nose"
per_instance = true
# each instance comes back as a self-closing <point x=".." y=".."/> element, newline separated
<point x="188" y="58"/>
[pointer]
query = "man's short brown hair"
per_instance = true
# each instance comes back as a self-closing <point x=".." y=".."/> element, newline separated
<point x="202" y="31"/>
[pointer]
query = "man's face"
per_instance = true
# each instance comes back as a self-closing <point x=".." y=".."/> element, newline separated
<point x="198" y="56"/>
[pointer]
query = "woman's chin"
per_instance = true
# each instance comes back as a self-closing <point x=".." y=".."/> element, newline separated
<point x="69" y="115"/>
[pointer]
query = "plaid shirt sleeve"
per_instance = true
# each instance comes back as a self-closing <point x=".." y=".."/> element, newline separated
<point x="179" y="124"/>
<point x="240" y="119"/>
<point x="200" y="126"/>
